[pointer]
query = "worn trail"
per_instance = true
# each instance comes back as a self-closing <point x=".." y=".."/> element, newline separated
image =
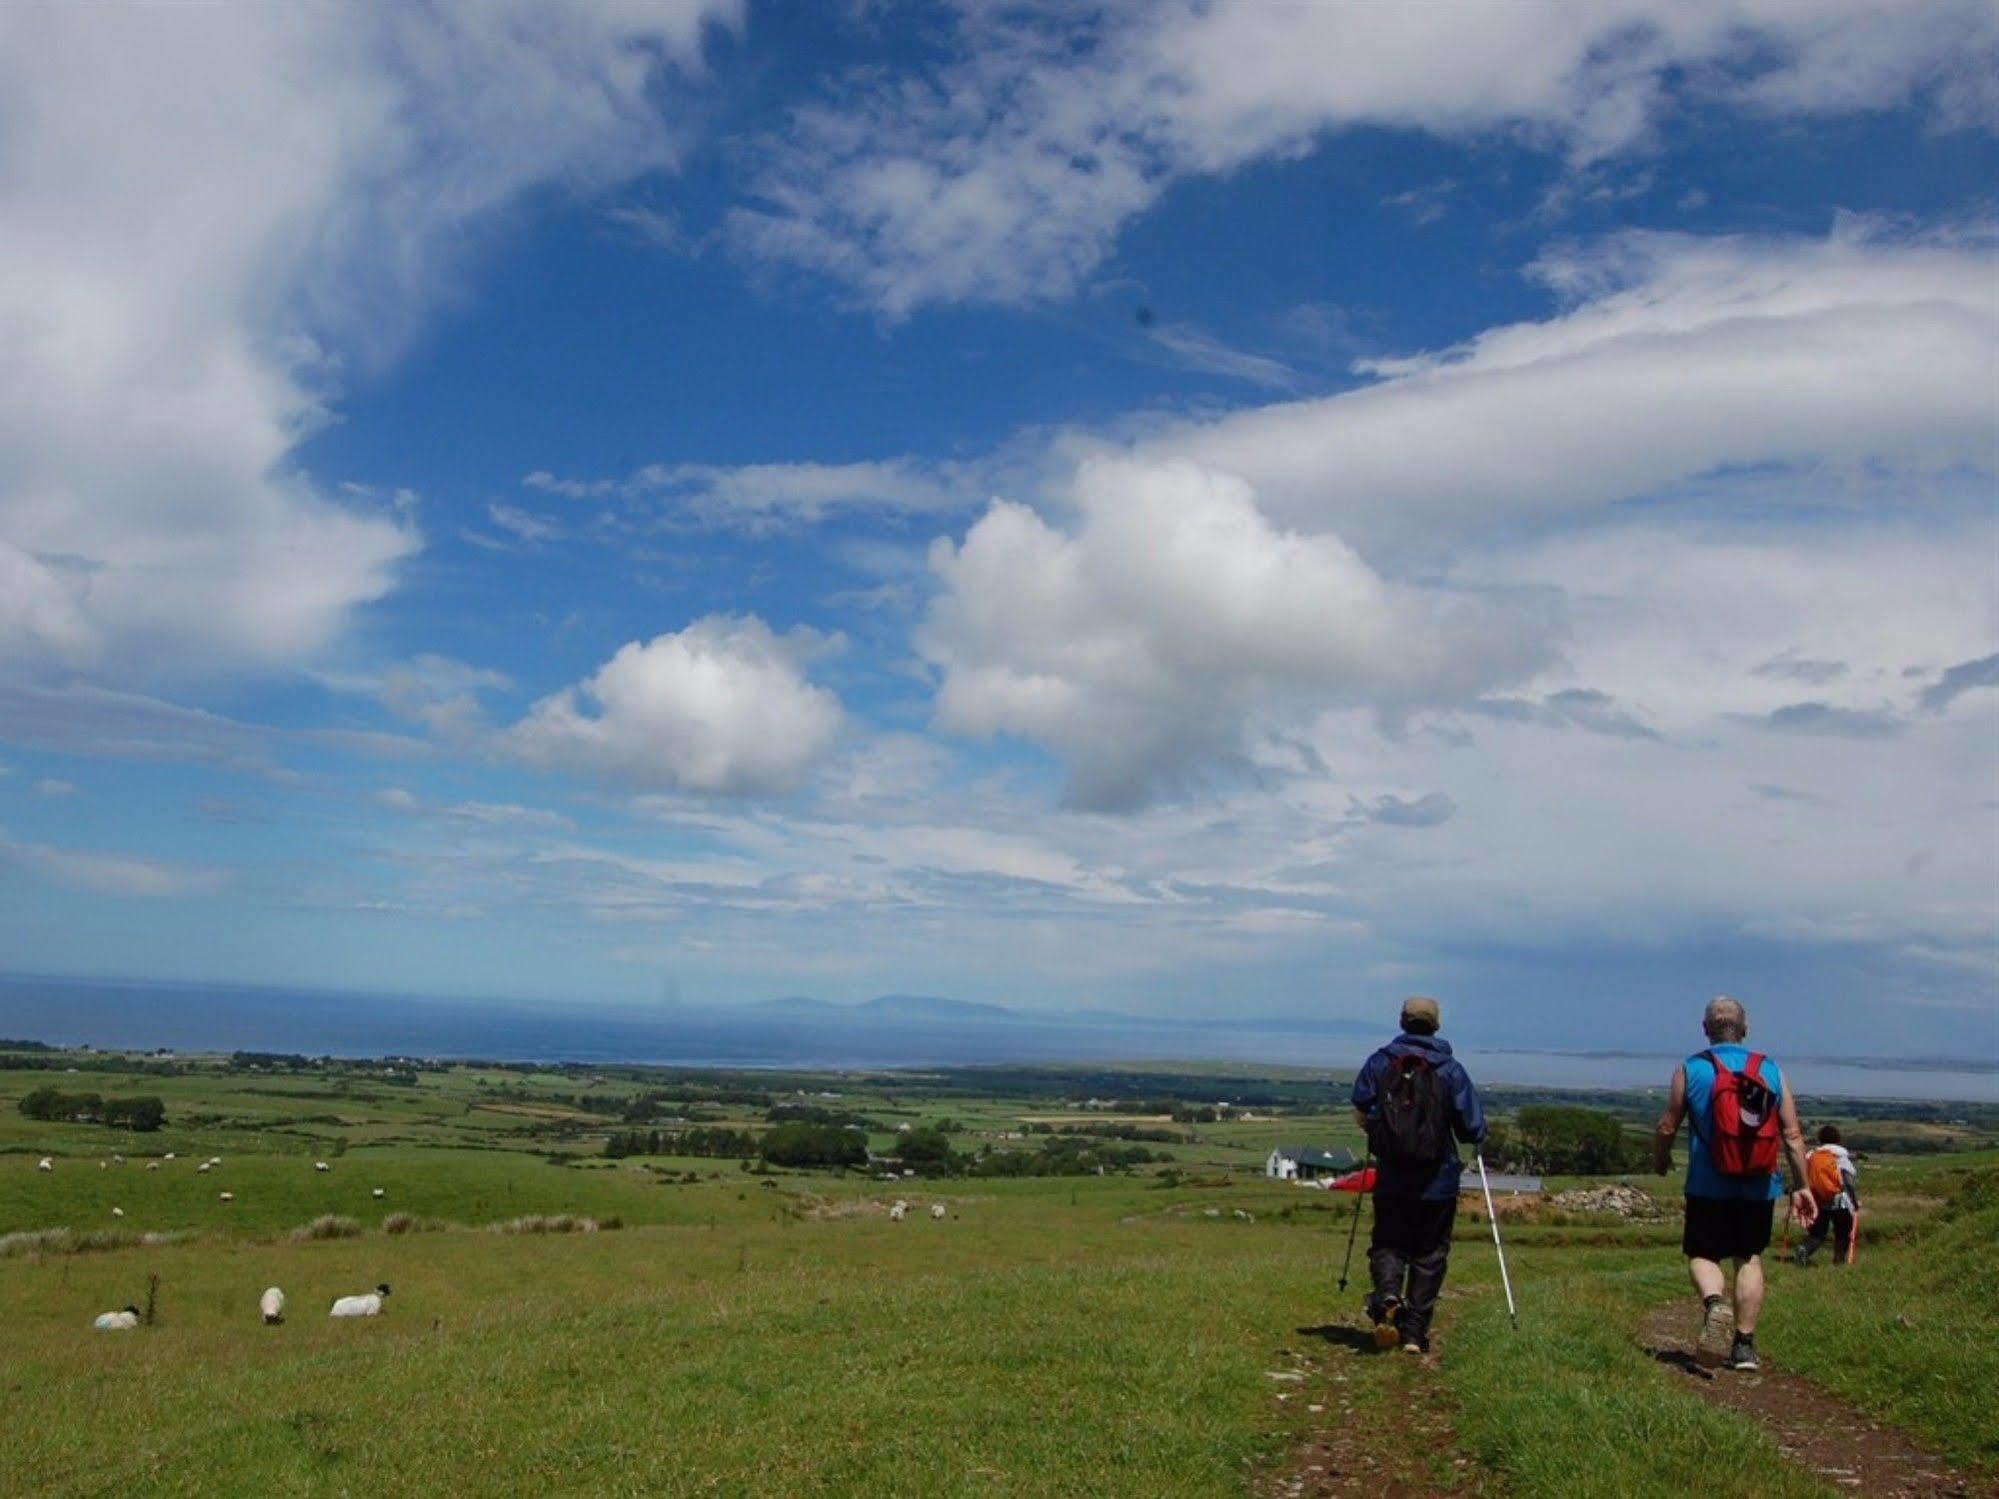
<point x="1813" y="1427"/>
<point x="1379" y="1423"/>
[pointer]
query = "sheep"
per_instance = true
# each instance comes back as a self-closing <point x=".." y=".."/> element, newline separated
<point x="168" y="1156"/>
<point x="369" y="1305"/>
<point x="103" y="1165"/>
<point x="321" y="1166"/>
<point x="896" y="1210"/>
<point x="117" y="1212"/>
<point x="202" y="1167"/>
<point x="937" y="1210"/>
<point x="272" y="1305"/>
<point x="45" y="1164"/>
<point x="152" y="1165"/>
<point x="123" y="1321"/>
<point x="226" y="1196"/>
<point x="379" y="1193"/>
<point x="117" y="1160"/>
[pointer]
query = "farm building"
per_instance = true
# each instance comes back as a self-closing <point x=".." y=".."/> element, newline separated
<point x="1306" y="1163"/>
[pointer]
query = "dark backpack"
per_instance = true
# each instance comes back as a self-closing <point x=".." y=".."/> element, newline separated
<point x="1742" y="1124"/>
<point x="1412" y="1124"/>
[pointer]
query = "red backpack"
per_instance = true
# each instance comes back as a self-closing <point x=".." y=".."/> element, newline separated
<point x="1742" y="1132"/>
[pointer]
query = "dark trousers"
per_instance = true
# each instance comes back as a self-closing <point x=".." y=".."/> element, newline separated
<point x="1407" y="1254"/>
<point x="1835" y="1221"/>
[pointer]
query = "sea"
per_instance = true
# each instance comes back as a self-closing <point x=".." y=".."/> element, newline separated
<point x="208" y="1018"/>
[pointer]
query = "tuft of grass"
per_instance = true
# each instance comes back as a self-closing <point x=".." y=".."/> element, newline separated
<point x="325" y="1226"/>
<point x="409" y="1223"/>
<point x="553" y="1223"/>
<point x="47" y="1241"/>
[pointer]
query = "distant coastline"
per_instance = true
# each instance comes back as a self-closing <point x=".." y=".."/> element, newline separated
<point x="893" y="1032"/>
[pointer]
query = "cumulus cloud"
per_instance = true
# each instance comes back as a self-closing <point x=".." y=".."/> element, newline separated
<point x="1673" y="357"/>
<point x="1006" y="173"/>
<point x="721" y="706"/>
<point x="1143" y="645"/>
<point x="208" y="217"/>
<point x="1825" y="718"/>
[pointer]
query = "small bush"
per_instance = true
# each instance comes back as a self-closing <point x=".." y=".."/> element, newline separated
<point x="39" y="1241"/>
<point x="326" y="1226"/>
<point x="409" y="1223"/>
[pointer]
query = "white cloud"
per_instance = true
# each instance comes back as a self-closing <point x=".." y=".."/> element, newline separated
<point x="111" y="874"/>
<point x="1676" y="357"/>
<point x="1006" y="174"/>
<point x="51" y="787"/>
<point x="721" y="706"/>
<point x="210" y="215"/>
<point x="1143" y="645"/>
<point x="769" y="496"/>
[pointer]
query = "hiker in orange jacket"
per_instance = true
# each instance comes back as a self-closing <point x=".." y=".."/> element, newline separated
<point x="1834" y="1181"/>
<point x="1741" y="1117"/>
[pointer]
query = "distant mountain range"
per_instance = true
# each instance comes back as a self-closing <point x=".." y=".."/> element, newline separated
<point x="938" y="1009"/>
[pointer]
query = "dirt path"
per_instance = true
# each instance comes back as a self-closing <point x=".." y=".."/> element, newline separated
<point x="1813" y="1427"/>
<point x="1345" y="1449"/>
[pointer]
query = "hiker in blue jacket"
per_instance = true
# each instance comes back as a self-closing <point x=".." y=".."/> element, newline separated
<point x="1415" y="1101"/>
<point x="1742" y="1124"/>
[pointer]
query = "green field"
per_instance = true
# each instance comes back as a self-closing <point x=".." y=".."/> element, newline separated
<point x="747" y="1331"/>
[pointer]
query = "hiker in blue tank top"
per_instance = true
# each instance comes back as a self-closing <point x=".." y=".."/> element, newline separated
<point x="1742" y="1125"/>
<point x="1415" y="1101"/>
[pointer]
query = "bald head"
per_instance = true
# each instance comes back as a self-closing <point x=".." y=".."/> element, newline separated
<point x="1724" y="1019"/>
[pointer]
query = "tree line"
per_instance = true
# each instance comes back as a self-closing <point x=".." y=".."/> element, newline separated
<point x="142" y="1114"/>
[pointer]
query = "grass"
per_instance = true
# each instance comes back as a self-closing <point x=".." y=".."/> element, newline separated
<point x="742" y="1333"/>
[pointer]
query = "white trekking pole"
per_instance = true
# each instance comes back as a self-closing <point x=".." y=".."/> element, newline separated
<point x="1498" y="1248"/>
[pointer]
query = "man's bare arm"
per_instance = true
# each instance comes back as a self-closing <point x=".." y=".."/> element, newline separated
<point x="1360" y="1120"/>
<point x="1669" y="1122"/>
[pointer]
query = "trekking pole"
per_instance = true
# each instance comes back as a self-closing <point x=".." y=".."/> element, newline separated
<point x="1498" y="1248"/>
<point x="1354" y="1232"/>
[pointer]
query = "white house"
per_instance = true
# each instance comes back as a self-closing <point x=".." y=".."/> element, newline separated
<point x="1307" y="1163"/>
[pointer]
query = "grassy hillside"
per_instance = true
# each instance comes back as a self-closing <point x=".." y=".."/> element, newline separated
<point x="780" y="1334"/>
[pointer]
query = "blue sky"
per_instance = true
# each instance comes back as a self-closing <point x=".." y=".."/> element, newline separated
<point x="1210" y="509"/>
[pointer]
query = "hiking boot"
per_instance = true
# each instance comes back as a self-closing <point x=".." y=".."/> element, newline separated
<point x="1717" y="1334"/>
<point x="1412" y="1343"/>
<point x="1385" y="1332"/>
<point x="1742" y="1356"/>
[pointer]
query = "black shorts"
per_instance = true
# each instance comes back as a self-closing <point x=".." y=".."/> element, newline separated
<point x="1727" y="1228"/>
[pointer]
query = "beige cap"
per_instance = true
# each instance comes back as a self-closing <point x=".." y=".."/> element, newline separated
<point x="1421" y="1007"/>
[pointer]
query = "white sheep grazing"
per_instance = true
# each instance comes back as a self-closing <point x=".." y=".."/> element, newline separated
<point x="123" y="1321"/>
<point x="117" y="1212"/>
<point x="896" y="1210"/>
<point x="379" y="1193"/>
<point x="937" y="1210"/>
<point x="272" y="1305"/>
<point x="168" y="1156"/>
<point x="45" y="1164"/>
<point x="226" y="1196"/>
<point x="361" y="1306"/>
<point x="103" y="1165"/>
<point x="202" y="1167"/>
<point x="152" y="1165"/>
<point x="321" y="1166"/>
<point x="117" y="1160"/>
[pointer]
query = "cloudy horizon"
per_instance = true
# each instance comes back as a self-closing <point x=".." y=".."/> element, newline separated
<point x="1196" y="509"/>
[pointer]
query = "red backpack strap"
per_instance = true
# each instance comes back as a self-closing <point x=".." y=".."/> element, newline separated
<point x="1754" y="1067"/>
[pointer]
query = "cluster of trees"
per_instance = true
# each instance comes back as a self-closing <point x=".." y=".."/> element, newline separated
<point x="727" y="1144"/>
<point x="801" y="1144"/>
<point x="812" y="1113"/>
<point x="143" y="1114"/>
<point x="1563" y="1140"/>
<point x="1064" y="1155"/>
